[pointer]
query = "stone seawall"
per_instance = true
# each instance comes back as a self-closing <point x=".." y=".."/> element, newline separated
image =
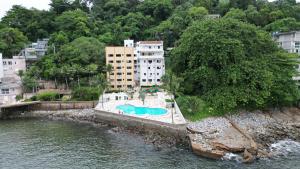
<point x="157" y="133"/>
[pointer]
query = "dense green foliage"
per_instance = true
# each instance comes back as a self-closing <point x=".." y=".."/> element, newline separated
<point x="222" y="65"/>
<point x="86" y="94"/>
<point x="47" y="96"/>
<point x="232" y="64"/>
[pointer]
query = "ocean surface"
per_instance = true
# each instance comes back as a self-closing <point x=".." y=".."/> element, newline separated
<point x="35" y="144"/>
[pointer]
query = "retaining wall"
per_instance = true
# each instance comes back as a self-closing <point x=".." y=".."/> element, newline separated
<point x="178" y="131"/>
<point x="57" y="105"/>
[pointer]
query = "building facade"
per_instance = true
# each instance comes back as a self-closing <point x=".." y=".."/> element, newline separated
<point x="150" y="62"/>
<point x="289" y="41"/>
<point x="10" y="82"/>
<point x="122" y="61"/>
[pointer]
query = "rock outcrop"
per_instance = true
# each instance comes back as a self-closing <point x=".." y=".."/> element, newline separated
<point x="248" y="133"/>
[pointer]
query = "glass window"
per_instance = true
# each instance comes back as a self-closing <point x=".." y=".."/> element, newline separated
<point x="118" y="55"/>
<point x="110" y="55"/>
<point x="5" y="91"/>
<point x="144" y="80"/>
<point x="297" y="44"/>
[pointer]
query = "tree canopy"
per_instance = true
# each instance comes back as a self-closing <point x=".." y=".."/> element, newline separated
<point x="232" y="64"/>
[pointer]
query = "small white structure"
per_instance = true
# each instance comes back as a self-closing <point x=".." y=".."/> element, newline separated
<point x="114" y="97"/>
<point x="150" y="62"/>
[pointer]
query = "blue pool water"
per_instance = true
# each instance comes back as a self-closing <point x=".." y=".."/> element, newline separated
<point x="129" y="109"/>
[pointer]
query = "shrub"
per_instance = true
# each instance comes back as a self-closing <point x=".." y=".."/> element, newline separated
<point x="85" y="93"/>
<point x="194" y="108"/>
<point x="47" y="96"/>
<point x="19" y="97"/>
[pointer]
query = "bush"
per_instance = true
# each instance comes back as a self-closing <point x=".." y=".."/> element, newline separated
<point x="194" y="108"/>
<point x="19" y="97"/>
<point x="47" y="96"/>
<point x="85" y="93"/>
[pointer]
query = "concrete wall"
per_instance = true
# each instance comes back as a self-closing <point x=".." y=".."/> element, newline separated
<point x="178" y="131"/>
<point x="65" y="105"/>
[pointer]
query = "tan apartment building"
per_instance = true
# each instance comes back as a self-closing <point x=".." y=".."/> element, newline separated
<point x="122" y="61"/>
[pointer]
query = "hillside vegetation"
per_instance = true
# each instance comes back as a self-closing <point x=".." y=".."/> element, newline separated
<point x="217" y="65"/>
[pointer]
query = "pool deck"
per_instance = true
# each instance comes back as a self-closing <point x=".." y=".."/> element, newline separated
<point x="150" y="102"/>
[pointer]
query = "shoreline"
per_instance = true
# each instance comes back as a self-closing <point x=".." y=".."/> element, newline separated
<point x="90" y="116"/>
<point x="249" y="134"/>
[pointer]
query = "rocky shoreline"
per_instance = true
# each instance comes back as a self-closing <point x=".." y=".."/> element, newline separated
<point x="249" y="134"/>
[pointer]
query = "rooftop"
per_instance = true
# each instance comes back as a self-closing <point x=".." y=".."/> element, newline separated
<point x="151" y="42"/>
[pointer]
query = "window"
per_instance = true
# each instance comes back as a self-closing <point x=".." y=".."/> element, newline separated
<point x="129" y="80"/>
<point x="112" y="73"/>
<point x="118" y="55"/>
<point x="135" y="62"/>
<point x="158" y="47"/>
<point x="129" y="61"/>
<point x="110" y="55"/>
<point x="129" y="67"/>
<point x="150" y="74"/>
<point x="158" y="80"/>
<point x="129" y="73"/>
<point x="119" y="73"/>
<point x="145" y="74"/>
<point x="144" y="80"/>
<point x="4" y="63"/>
<point x="119" y="80"/>
<point x="111" y="61"/>
<point x="157" y="73"/>
<point x="128" y="55"/>
<point x="4" y="91"/>
<point x="112" y="86"/>
<point x="158" y="67"/>
<point x="149" y="67"/>
<point x="150" y="80"/>
<point x="129" y="86"/>
<point x="119" y="86"/>
<point x="119" y="67"/>
<point x="150" y="61"/>
<point x="118" y="61"/>
<point x="297" y="44"/>
<point x="158" y="61"/>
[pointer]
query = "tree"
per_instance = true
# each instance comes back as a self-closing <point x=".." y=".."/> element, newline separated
<point x="158" y="9"/>
<point x="74" y="24"/>
<point x="283" y="25"/>
<point x="33" y="23"/>
<point x="11" y="41"/>
<point x="231" y="65"/>
<point x="236" y="14"/>
<point x="197" y="13"/>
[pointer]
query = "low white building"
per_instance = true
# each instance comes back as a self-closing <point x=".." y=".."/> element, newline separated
<point x="150" y="62"/>
<point x="113" y="97"/>
<point x="10" y="82"/>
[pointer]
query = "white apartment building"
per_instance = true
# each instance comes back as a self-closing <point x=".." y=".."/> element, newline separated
<point x="150" y="62"/>
<point x="10" y="82"/>
<point x="289" y="41"/>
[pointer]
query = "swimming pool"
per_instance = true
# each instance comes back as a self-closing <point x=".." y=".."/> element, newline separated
<point x="132" y="110"/>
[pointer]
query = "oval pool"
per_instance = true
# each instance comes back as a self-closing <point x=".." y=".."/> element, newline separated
<point x="133" y="110"/>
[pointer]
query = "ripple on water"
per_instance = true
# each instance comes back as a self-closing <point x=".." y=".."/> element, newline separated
<point x="39" y="144"/>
